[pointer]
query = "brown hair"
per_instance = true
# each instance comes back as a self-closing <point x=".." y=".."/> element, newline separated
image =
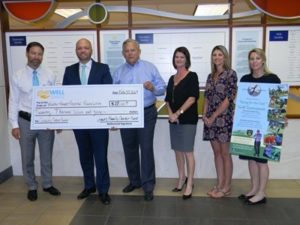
<point x="226" y="58"/>
<point x="187" y="55"/>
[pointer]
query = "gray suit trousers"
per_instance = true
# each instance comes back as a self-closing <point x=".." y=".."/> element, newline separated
<point x="27" y="141"/>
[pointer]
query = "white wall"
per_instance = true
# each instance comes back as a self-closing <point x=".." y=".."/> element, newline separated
<point x="4" y="146"/>
<point x="66" y="161"/>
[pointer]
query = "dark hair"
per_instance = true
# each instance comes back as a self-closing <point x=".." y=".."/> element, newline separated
<point x="187" y="55"/>
<point x="34" y="44"/>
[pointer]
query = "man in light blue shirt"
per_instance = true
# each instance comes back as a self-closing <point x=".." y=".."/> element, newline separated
<point x="137" y="71"/>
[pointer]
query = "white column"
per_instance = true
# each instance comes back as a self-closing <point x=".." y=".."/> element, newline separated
<point x="5" y="162"/>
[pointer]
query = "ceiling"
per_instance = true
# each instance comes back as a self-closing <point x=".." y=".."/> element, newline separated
<point x="118" y="20"/>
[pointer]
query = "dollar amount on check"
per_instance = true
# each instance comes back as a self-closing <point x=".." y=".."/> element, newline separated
<point x="88" y="107"/>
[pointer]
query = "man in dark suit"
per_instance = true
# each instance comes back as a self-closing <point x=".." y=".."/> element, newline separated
<point x="92" y="143"/>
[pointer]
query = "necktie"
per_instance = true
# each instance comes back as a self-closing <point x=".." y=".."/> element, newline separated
<point x="35" y="79"/>
<point x="83" y="74"/>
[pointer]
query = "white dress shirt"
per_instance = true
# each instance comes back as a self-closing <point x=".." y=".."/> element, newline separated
<point x="20" y="96"/>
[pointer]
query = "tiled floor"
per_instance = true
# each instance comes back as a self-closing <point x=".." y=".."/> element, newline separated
<point x="163" y="210"/>
<point x="283" y="205"/>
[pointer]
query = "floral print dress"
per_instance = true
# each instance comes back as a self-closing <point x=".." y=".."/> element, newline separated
<point x="225" y="86"/>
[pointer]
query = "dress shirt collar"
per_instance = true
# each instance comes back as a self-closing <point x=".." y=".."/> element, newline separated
<point x="30" y="69"/>
<point x="88" y="64"/>
<point x="130" y="65"/>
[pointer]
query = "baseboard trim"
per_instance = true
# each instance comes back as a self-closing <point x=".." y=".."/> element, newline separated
<point x="6" y="174"/>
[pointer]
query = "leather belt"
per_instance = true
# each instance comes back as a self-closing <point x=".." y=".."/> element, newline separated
<point x="150" y="106"/>
<point x="25" y="115"/>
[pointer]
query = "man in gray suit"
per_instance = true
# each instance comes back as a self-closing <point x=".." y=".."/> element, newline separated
<point x="21" y="83"/>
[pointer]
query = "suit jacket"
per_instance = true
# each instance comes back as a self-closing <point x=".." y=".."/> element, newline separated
<point x="99" y="74"/>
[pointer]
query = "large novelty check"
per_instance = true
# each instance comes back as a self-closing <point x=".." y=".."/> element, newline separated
<point x="88" y="107"/>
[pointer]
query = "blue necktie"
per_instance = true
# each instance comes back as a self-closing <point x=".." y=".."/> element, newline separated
<point x="35" y="79"/>
<point x="83" y="74"/>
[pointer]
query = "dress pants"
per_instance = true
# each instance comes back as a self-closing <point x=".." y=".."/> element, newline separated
<point x="27" y="141"/>
<point x="141" y="173"/>
<point x="92" y="145"/>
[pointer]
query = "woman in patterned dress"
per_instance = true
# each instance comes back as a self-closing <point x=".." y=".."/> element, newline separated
<point x="220" y="92"/>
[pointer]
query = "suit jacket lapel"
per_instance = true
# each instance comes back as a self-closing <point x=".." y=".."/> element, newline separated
<point x="92" y="71"/>
<point x="77" y="73"/>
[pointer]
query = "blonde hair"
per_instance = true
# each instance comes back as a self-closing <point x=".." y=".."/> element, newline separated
<point x="224" y="51"/>
<point x="262" y="55"/>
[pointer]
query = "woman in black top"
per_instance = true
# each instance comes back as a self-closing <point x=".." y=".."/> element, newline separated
<point x="181" y="100"/>
<point x="258" y="168"/>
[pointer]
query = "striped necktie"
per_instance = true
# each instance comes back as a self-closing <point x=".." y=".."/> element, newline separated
<point x="35" y="79"/>
<point x="83" y="75"/>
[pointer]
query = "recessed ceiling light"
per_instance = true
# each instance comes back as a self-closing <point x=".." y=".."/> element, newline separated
<point x="211" y="9"/>
<point x="69" y="12"/>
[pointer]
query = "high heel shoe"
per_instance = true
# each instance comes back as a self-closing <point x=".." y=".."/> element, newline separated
<point x="176" y="189"/>
<point x="185" y="197"/>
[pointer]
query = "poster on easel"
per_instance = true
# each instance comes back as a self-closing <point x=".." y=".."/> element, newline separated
<point x="259" y="120"/>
